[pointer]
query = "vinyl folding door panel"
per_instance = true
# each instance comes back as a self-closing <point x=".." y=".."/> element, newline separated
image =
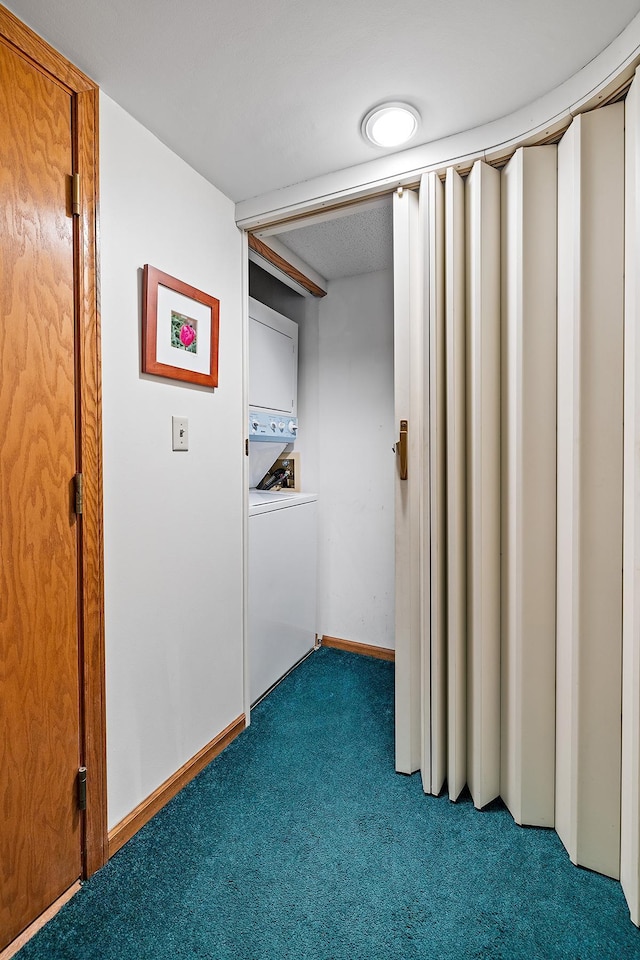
<point x="589" y="487"/>
<point x="409" y="394"/>
<point x="455" y="354"/>
<point x="528" y="485"/>
<point x="435" y="699"/>
<point x="630" y="811"/>
<point x="483" y="481"/>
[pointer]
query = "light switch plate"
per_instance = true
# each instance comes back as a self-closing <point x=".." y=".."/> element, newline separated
<point x="180" y="433"/>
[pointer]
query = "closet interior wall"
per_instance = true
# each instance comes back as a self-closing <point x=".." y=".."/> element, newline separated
<point x="345" y="440"/>
<point x="523" y="266"/>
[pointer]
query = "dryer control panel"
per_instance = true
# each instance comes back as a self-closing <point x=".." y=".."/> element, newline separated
<point x="267" y="425"/>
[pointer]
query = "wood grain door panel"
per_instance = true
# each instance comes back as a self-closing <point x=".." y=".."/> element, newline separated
<point x="40" y="836"/>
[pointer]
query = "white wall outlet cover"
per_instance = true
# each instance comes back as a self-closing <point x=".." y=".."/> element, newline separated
<point x="180" y="433"/>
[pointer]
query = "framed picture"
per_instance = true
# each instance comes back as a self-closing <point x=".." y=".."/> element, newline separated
<point x="179" y="330"/>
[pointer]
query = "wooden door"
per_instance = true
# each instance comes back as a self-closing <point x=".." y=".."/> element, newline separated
<point x="40" y="835"/>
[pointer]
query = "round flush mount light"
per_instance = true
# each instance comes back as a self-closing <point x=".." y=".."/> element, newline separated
<point x="391" y="124"/>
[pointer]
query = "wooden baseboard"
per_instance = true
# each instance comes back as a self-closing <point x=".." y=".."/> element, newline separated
<point x="126" y="829"/>
<point x="39" y="923"/>
<point x="368" y="649"/>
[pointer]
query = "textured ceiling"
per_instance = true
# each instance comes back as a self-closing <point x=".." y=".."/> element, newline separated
<point x="257" y="96"/>
<point x="349" y="245"/>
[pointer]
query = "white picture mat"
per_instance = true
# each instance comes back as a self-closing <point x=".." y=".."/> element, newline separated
<point x="168" y="301"/>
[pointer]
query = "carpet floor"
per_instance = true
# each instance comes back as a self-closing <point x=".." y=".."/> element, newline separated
<point x="300" y="841"/>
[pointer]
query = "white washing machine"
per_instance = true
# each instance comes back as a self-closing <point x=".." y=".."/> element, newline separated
<point x="282" y="525"/>
<point x="282" y="584"/>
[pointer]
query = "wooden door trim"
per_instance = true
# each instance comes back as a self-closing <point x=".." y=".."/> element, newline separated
<point x="40" y="53"/>
<point x="92" y="548"/>
<point x="354" y="646"/>
<point x="16" y="945"/>
<point x="263" y="250"/>
<point x="84" y="94"/>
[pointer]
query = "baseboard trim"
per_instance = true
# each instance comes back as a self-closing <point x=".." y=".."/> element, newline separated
<point x="278" y="682"/>
<point x="351" y="646"/>
<point x="26" y="935"/>
<point x="123" y="831"/>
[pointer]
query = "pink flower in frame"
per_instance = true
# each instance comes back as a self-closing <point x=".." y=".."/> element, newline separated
<point x="187" y="334"/>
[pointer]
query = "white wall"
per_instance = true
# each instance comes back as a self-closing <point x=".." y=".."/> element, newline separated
<point x="173" y="521"/>
<point x="356" y="463"/>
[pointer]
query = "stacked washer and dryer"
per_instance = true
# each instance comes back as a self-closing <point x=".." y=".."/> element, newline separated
<point x="282" y="524"/>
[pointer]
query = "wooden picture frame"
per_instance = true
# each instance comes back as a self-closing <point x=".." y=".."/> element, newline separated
<point x="180" y="327"/>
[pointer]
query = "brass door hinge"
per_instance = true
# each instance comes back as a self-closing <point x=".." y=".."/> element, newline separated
<point x="78" y="482"/>
<point x="76" y="195"/>
<point x="82" y="788"/>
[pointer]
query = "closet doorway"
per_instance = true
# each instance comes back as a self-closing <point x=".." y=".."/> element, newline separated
<point x="346" y="278"/>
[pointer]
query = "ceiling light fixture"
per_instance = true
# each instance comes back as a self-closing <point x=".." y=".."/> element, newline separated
<point x="390" y="124"/>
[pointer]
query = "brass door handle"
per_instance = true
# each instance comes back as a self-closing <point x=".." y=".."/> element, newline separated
<point x="401" y="449"/>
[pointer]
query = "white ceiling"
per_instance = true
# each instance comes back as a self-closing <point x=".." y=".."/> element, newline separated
<point x="261" y="95"/>
<point x="359" y="240"/>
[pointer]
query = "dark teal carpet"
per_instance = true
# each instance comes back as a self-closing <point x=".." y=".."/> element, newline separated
<point x="301" y="842"/>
